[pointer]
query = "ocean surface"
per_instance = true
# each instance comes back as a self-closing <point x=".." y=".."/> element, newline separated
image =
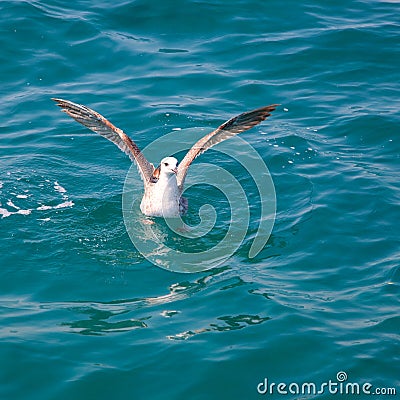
<point x="86" y="315"/>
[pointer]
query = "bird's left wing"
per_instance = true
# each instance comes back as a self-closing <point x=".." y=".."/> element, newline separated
<point x="101" y="125"/>
<point x="230" y="128"/>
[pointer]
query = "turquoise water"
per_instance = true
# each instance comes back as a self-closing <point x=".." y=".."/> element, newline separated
<point x="84" y="314"/>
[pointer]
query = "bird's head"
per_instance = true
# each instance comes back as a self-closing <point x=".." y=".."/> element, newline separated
<point x="168" y="166"/>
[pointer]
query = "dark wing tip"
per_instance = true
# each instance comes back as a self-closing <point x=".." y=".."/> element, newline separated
<point x="248" y="119"/>
<point x="59" y="102"/>
<point x="66" y="104"/>
<point x="266" y="111"/>
<point x="262" y="112"/>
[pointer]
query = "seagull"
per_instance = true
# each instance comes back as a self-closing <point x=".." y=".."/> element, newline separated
<point x="163" y="185"/>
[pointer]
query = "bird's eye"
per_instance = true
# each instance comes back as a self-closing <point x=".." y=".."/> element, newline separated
<point x="166" y="164"/>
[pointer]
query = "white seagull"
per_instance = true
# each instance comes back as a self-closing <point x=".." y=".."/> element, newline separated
<point x="163" y="186"/>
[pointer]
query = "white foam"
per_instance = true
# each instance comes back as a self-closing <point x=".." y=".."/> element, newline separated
<point x="65" y="204"/>
<point x="15" y="209"/>
<point x="44" y="207"/>
<point x="59" y="188"/>
<point x="5" y="213"/>
<point x="11" y="204"/>
<point x="23" y="212"/>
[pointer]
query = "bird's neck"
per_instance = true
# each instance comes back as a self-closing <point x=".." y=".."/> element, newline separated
<point x="167" y="181"/>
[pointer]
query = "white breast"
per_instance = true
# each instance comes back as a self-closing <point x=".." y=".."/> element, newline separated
<point x="161" y="199"/>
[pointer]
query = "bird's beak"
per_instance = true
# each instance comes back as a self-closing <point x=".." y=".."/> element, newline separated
<point x="175" y="171"/>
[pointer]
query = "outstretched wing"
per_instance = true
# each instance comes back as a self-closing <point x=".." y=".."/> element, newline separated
<point x="230" y="128"/>
<point x="97" y="123"/>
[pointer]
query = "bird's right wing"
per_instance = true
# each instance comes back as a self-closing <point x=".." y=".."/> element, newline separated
<point x="228" y="129"/>
<point x="97" y="123"/>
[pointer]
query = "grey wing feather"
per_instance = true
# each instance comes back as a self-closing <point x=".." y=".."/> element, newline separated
<point x="97" y="123"/>
<point x="230" y="128"/>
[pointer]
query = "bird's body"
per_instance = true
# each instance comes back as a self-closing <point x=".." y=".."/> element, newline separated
<point x="163" y="186"/>
<point x="163" y="198"/>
